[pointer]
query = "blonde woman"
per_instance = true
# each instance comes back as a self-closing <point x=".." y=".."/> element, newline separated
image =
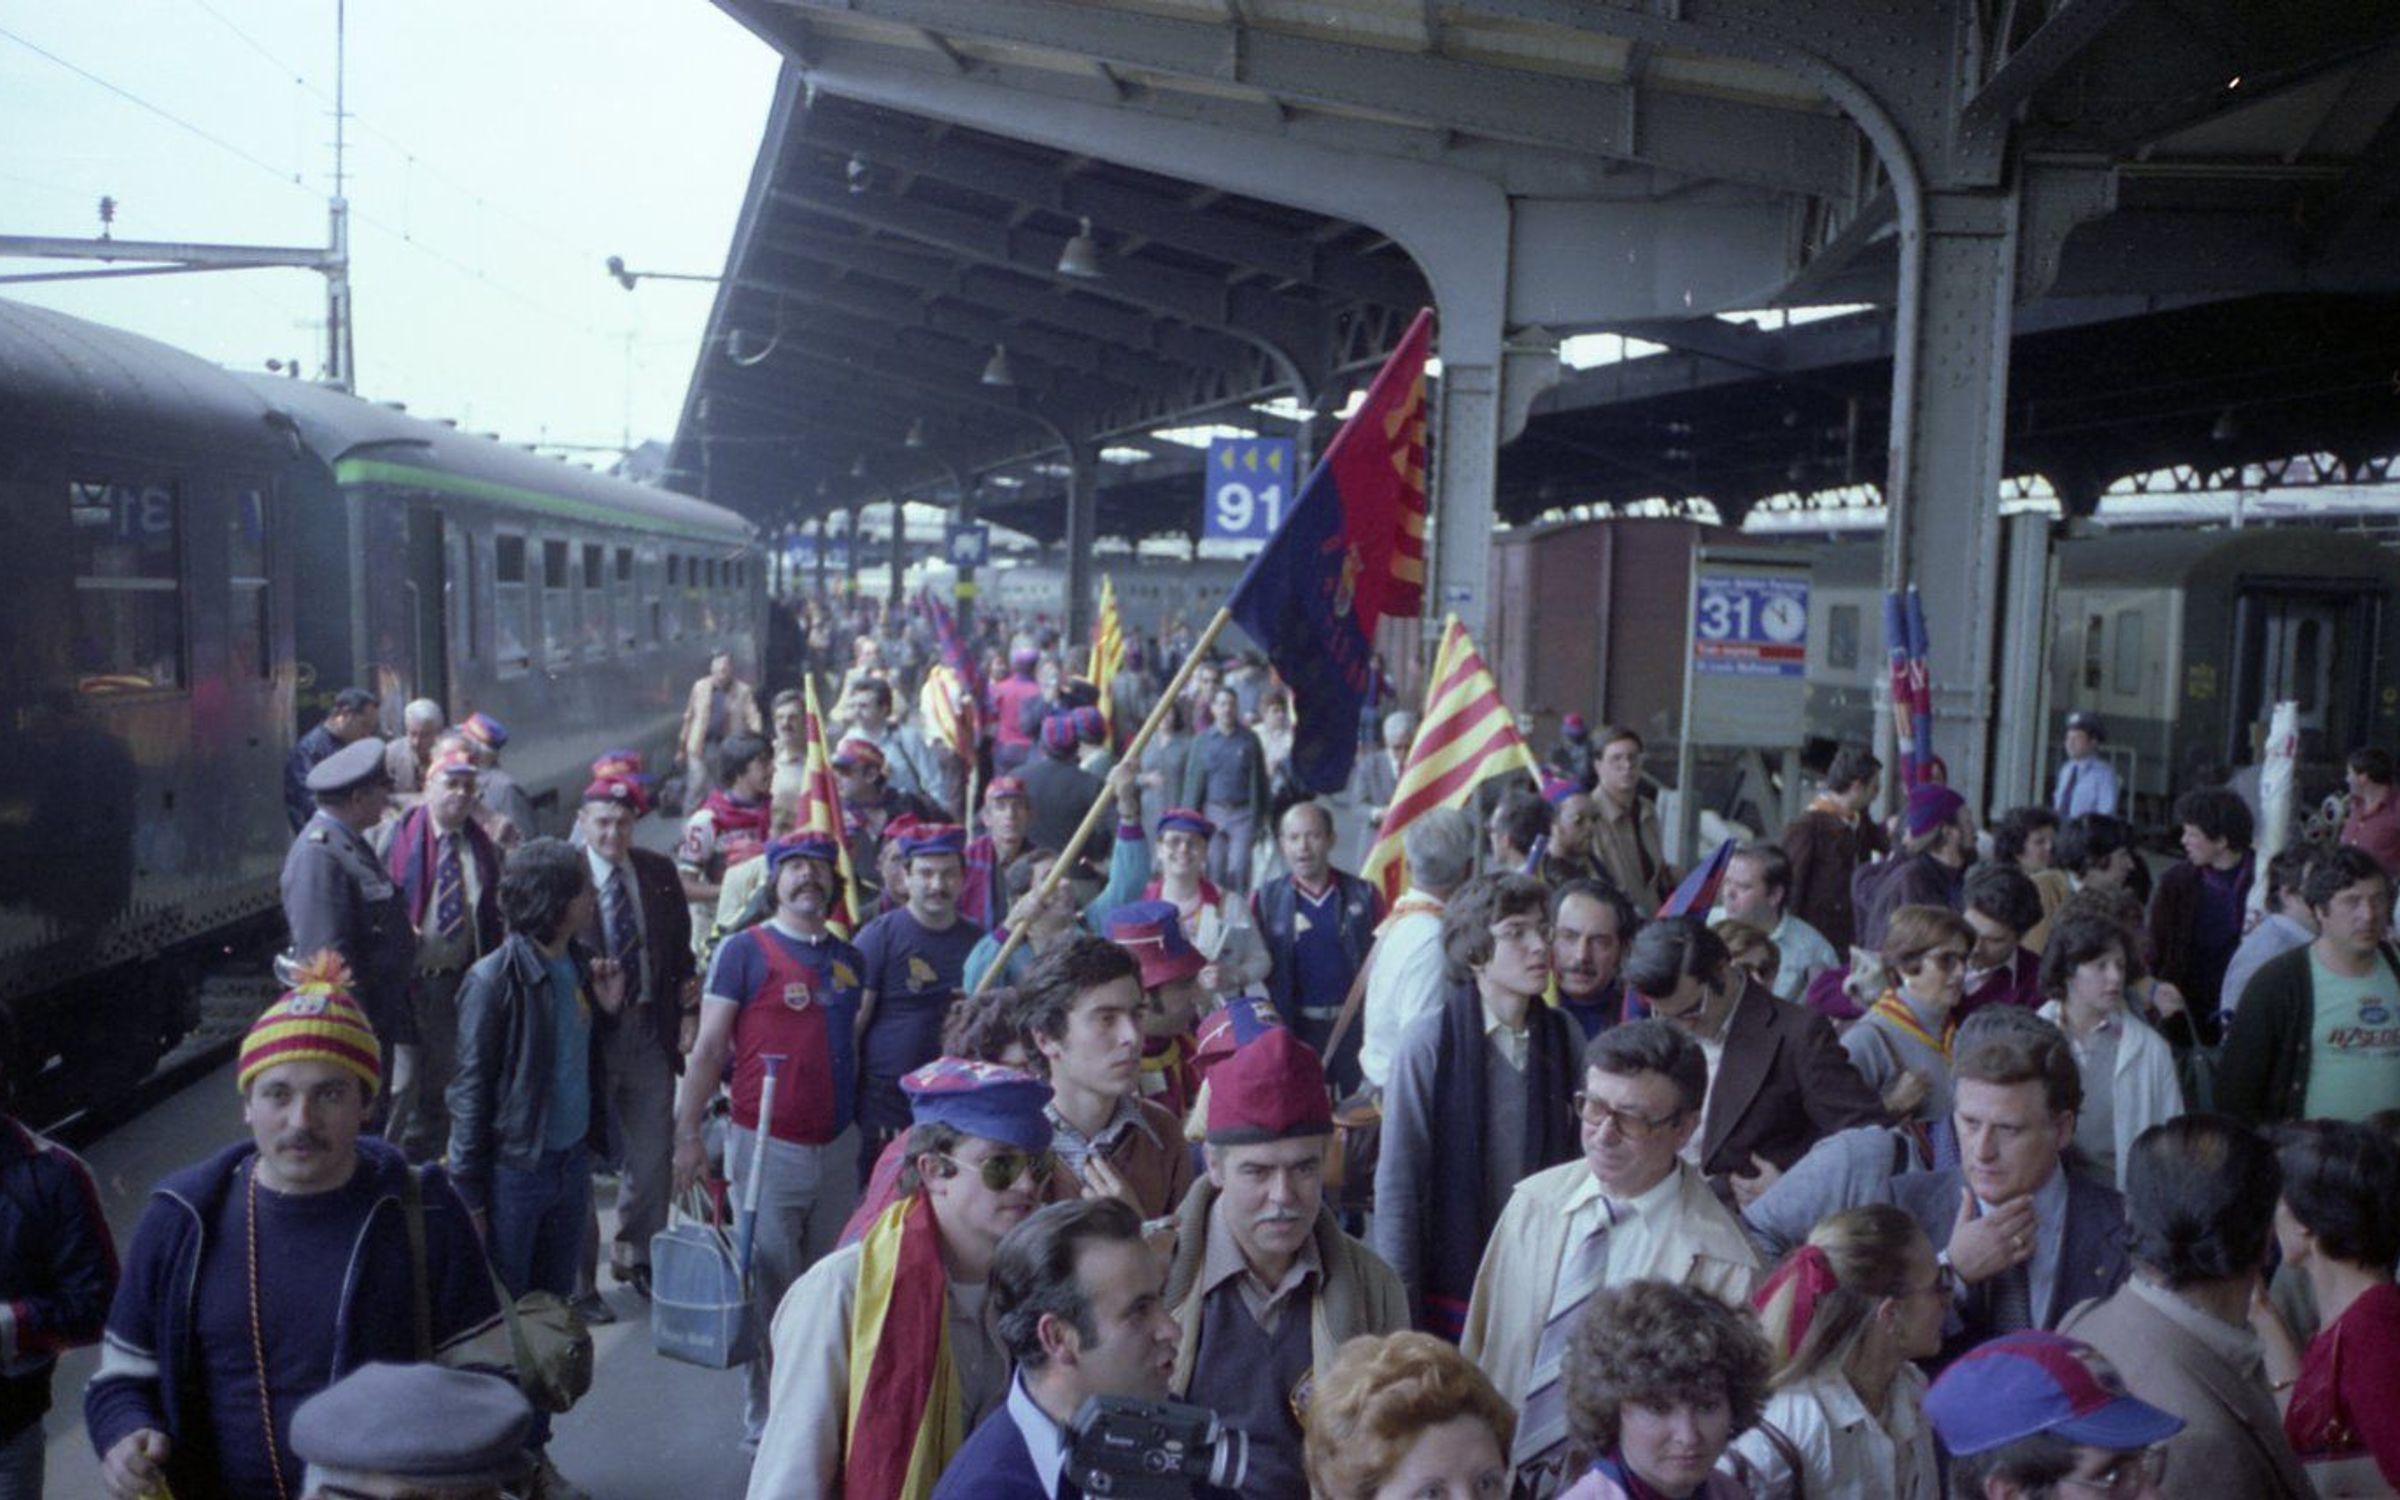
<point x="1404" y="1416"/>
<point x="1846" y="1314"/>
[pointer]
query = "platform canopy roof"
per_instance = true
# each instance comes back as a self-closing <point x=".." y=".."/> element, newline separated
<point x="2230" y="170"/>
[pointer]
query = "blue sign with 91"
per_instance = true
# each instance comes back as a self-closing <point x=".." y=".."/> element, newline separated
<point x="1250" y="487"/>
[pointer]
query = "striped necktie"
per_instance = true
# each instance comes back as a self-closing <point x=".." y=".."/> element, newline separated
<point x="1542" y="1426"/>
<point x="449" y="889"/>
<point x="624" y="933"/>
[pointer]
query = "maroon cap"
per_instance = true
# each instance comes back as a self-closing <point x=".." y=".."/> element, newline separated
<point x="1271" y="1089"/>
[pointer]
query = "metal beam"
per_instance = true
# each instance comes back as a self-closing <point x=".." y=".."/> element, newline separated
<point x="1782" y="148"/>
<point x="2072" y="26"/>
<point x="1114" y="208"/>
<point x="226" y="257"/>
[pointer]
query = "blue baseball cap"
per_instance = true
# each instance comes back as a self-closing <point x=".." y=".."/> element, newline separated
<point x="2023" y="1383"/>
<point x="979" y="1098"/>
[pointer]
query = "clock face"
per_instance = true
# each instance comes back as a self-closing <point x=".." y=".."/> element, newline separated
<point x="1784" y="619"/>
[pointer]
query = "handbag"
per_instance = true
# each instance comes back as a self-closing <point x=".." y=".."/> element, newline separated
<point x="550" y="1345"/>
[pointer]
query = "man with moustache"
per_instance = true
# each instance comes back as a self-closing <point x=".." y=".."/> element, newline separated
<point x="199" y="1378"/>
<point x="903" y="1311"/>
<point x="1265" y="1286"/>
<point x="915" y="961"/>
<point x="790" y="989"/>
<point x="1082" y="1012"/>
<point x="1075" y="1292"/>
<point x="1590" y="924"/>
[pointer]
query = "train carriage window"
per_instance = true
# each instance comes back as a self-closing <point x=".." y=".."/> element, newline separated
<point x="558" y="604"/>
<point x="510" y="603"/>
<point x="1841" y="631"/>
<point x="249" y="629"/>
<point x="128" y="560"/>
<point x="2094" y="640"/>
<point x="595" y="602"/>
<point x="627" y="603"/>
<point x="2128" y="671"/>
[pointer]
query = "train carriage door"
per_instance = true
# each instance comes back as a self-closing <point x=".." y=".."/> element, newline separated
<point x="2308" y="646"/>
<point x="428" y="600"/>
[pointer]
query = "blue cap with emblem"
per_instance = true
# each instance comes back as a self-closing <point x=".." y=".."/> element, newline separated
<point x="354" y="764"/>
<point x="979" y="1098"/>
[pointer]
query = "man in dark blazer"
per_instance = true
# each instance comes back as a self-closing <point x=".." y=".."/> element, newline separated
<point x="1779" y="1081"/>
<point x="643" y="921"/>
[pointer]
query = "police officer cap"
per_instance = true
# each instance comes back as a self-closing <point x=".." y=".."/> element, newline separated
<point x="348" y="766"/>
<point x="425" y="1424"/>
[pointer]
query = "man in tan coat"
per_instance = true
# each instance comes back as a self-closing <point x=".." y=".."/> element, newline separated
<point x="2200" y="1196"/>
<point x="1629" y="1209"/>
<point x="720" y="705"/>
<point x="1265" y="1285"/>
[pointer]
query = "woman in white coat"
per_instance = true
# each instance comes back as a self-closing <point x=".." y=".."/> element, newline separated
<point x="1847" y="1314"/>
<point x="2129" y="1081"/>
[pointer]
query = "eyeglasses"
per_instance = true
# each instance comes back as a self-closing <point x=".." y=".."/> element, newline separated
<point x="1001" y="1169"/>
<point x="2126" y="1476"/>
<point x="1598" y="1113"/>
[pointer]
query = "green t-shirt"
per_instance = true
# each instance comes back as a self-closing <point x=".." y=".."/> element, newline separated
<point x="2354" y="1067"/>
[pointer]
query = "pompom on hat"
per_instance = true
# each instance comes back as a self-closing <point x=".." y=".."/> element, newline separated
<point x="315" y="1021"/>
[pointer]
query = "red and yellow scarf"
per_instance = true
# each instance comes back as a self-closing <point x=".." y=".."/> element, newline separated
<point x="1896" y="1011"/>
<point x="907" y="1414"/>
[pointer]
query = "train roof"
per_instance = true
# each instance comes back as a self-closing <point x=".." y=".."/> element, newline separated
<point x="363" y="442"/>
<point x="64" y="376"/>
<point x="2159" y="557"/>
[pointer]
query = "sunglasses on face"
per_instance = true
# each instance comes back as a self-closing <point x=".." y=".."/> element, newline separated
<point x="1001" y="1169"/>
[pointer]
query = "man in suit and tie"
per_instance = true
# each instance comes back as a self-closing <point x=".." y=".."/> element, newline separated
<point x="1778" y="1080"/>
<point x="645" y="924"/>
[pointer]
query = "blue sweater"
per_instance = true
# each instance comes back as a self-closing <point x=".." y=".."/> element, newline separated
<point x="153" y="1369"/>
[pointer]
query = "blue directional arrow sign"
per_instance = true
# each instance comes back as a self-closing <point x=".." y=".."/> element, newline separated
<point x="1250" y="485"/>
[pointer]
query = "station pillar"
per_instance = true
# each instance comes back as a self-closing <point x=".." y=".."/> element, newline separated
<point x="899" y="545"/>
<point x="1949" y="405"/>
<point x="1083" y="525"/>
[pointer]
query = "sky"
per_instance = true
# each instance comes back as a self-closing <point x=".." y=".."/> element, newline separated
<point x="499" y="152"/>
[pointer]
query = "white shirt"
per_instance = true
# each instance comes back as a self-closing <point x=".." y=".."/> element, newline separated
<point x="1640" y="1220"/>
<point x="1406" y="980"/>
<point x="1045" y="1443"/>
<point x="1843" y="1450"/>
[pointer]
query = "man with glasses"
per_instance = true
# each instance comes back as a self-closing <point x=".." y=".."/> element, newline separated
<point x="2200" y="1193"/>
<point x="1630" y="1209"/>
<point x="873" y="1314"/>
<point x="2036" y="1414"/>
<point x="1479" y="1098"/>
<point x="787" y="988"/>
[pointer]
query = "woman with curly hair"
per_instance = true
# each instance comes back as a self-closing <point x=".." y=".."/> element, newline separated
<point x="1659" y="1378"/>
<point x="1402" y="1416"/>
<point x="1846" y="1314"/>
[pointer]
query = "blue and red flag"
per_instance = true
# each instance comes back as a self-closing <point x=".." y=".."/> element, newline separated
<point x="1698" y="893"/>
<point x="1920" y="691"/>
<point x="955" y="652"/>
<point x="1350" y="555"/>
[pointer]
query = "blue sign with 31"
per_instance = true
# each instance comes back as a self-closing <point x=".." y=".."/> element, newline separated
<point x="1250" y="486"/>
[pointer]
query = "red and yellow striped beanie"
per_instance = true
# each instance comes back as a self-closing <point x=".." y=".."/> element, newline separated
<point x="315" y="1021"/>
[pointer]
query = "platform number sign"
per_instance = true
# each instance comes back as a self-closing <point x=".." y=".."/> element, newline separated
<point x="969" y="545"/>
<point x="1749" y="625"/>
<point x="1250" y="488"/>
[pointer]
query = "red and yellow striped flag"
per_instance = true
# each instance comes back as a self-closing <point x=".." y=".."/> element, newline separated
<point x="1467" y="737"/>
<point x="1108" y="652"/>
<point x="821" y="812"/>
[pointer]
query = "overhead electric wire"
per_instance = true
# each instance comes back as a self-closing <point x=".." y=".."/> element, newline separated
<point x="178" y="121"/>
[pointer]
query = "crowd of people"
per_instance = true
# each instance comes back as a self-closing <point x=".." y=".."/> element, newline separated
<point x="1933" y="1160"/>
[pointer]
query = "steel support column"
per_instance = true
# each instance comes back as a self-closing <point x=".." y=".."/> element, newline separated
<point x="1083" y="525"/>
<point x="899" y="545"/>
<point x="1949" y="400"/>
<point x="824" y="546"/>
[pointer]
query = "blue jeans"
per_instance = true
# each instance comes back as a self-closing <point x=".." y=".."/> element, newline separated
<point x="537" y="1221"/>
<point x="21" y="1463"/>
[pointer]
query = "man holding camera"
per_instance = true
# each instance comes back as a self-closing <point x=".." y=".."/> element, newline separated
<point x="1076" y="1293"/>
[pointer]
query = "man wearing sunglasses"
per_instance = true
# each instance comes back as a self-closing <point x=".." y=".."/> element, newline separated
<point x="2037" y="1414"/>
<point x="873" y="1313"/>
<point x="1631" y="1208"/>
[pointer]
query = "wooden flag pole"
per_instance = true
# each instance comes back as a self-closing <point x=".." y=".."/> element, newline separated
<point x="1108" y="796"/>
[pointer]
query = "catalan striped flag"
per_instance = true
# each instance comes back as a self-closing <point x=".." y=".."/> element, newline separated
<point x="1467" y="737"/>
<point x="1108" y="651"/>
<point x="821" y="812"/>
<point x="948" y="711"/>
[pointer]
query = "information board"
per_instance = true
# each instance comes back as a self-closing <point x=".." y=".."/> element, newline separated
<point x="1750" y="624"/>
<point x="1249" y="488"/>
<point x="969" y="545"/>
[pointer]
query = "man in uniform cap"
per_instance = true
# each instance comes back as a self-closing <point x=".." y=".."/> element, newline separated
<point x="349" y="720"/>
<point x="869" y="1396"/>
<point x="2087" y="783"/>
<point x="306" y="1216"/>
<point x="448" y="871"/>
<point x="1265" y="1286"/>
<point x="337" y="895"/>
<point x="413" y="1432"/>
<point x="915" y="963"/>
<point x="785" y="988"/>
